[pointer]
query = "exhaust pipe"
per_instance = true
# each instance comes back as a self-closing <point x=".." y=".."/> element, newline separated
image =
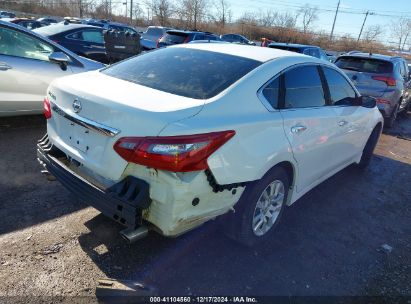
<point x="133" y="235"/>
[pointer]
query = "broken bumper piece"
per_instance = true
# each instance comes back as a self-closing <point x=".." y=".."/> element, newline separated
<point x="123" y="202"/>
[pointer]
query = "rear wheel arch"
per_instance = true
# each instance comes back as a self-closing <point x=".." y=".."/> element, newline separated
<point x="291" y="171"/>
<point x="378" y="126"/>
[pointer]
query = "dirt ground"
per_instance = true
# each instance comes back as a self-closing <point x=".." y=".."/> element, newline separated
<point x="349" y="236"/>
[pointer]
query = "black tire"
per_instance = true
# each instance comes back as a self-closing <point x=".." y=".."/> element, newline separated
<point x="405" y="111"/>
<point x="240" y="226"/>
<point x="368" y="151"/>
<point x="389" y="121"/>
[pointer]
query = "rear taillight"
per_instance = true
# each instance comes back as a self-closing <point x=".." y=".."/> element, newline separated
<point x="384" y="101"/>
<point x="172" y="153"/>
<point x="46" y="108"/>
<point x="388" y="80"/>
<point x="158" y="42"/>
<point x="186" y="39"/>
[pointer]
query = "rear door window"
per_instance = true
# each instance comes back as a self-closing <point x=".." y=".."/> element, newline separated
<point x="303" y="88"/>
<point x="186" y="72"/>
<point x="199" y="37"/>
<point x="93" y="36"/>
<point x="367" y="65"/>
<point x="341" y="92"/>
<point x="210" y="37"/>
<point x="271" y="92"/>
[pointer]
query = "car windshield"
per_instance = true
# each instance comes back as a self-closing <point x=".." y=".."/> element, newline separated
<point x="186" y="72"/>
<point x="367" y="65"/>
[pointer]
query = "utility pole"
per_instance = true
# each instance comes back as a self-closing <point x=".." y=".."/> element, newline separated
<point x="131" y="11"/>
<point x="405" y="40"/>
<point x="80" y="6"/>
<point x="362" y="27"/>
<point x="335" y="18"/>
<point x="125" y="3"/>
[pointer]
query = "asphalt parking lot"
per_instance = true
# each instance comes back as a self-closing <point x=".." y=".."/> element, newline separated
<point x="349" y="236"/>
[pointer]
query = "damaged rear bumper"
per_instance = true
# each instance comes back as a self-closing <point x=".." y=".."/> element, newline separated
<point x="124" y="202"/>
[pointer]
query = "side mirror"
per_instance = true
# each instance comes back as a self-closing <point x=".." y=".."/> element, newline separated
<point x="368" y="102"/>
<point x="60" y="58"/>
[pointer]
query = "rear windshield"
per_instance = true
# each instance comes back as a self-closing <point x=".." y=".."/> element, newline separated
<point x="286" y="48"/>
<point x="368" y="65"/>
<point x="173" y="38"/>
<point x="186" y="72"/>
<point x="154" y="31"/>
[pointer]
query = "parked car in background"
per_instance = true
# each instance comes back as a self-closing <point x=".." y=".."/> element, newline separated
<point x="74" y="20"/>
<point x="82" y="39"/>
<point x="108" y="25"/>
<point x="5" y="14"/>
<point x="173" y="138"/>
<point x="173" y="37"/>
<point x="47" y="21"/>
<point x="384" y="77"/>
<point x="310" y="50"/>
<point x="236" y="38"/>
<point x="121" y="28"/>
<point x="28" y="63"/>
<point x="150" y="37"/>
<point x="30" y="24"/>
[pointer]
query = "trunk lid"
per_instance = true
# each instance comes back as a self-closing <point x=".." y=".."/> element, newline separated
<point x="106" y="102"/>
<point x="366" y="85"/>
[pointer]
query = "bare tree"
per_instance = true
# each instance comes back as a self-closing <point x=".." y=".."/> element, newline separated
<point x="268" y="18"/>
<point x="85" y="7"/>
<point x="309" y="15"/>
<point x="223" y="12"/>
<point x="162" y="10"/>
<point x="193" y="11"/>
<point x="373" y="32"/>
<point x="400" y="30"/>
<point x="286" y="20"/>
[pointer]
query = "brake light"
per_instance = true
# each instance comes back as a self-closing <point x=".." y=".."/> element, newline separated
<point x="158" y="41"/>
<point x="186" y="39"/>
<point x="172" y="153"/>
<point x="46" y="108"/>
<point x="388" y="80"/>
<point x="384" y="101"/>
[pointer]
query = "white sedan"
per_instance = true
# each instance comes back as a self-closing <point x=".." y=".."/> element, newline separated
<point x="173" y="138"/>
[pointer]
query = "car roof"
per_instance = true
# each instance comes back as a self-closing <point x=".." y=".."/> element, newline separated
<point x="58" y="28"/>
<point x="261" y="54"/>
<point x="293" y="45"/>
<point x="373" y="56"/>
<point x="190" y="32"/>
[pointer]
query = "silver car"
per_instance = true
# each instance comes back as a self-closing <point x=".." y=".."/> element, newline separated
<point x="28" y="63"/>
<point x="387" y="78"/>
<point x="150" y="37"/>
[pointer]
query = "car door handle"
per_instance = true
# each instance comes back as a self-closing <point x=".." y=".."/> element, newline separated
<point x="342" y="123"/>
<point x="298" y="129"/>
<point x="4" y="66"/>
